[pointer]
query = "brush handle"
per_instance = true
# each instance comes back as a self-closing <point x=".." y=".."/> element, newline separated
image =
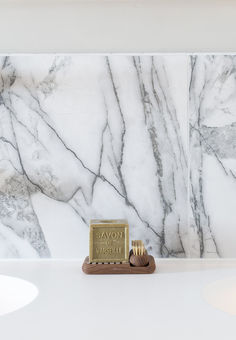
<point x="138" y="260"/>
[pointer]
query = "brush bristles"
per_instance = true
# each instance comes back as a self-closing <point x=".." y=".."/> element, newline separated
<point x="138" y="248"/>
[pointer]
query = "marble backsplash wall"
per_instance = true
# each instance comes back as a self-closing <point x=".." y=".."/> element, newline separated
<point x="212" y="119"/>
<point x="147" y="138"/>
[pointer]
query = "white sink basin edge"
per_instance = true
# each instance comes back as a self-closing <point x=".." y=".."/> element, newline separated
<point x="15" y="293"/>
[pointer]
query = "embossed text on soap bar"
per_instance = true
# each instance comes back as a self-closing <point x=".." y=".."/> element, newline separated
<point x="109" y="242"/>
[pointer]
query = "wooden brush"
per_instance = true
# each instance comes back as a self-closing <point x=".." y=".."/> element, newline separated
<point x="138" y="254"/>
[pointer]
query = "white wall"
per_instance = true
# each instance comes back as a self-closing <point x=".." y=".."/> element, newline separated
<point x="117" y="26"/>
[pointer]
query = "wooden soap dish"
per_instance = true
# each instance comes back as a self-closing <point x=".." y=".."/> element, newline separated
<point x="118" y="268"/>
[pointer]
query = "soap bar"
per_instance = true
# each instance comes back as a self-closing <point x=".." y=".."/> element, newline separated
<point x="109" y="241"/>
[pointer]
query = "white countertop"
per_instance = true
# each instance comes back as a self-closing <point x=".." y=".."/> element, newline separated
<point x="165" y="305"/>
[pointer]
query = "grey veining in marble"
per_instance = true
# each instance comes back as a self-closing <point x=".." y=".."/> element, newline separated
<point x="213" y="155"/>
<point x="147" y="138"/>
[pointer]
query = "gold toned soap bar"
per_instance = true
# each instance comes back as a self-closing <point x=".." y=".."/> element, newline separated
<point x="109" y="241"/>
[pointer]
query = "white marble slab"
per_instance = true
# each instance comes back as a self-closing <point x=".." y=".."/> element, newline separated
<point x="213" y="155"/>
<point x="92" y="136"/>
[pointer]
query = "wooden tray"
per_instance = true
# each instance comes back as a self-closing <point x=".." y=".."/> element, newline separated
<point x="117" y="268"/>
